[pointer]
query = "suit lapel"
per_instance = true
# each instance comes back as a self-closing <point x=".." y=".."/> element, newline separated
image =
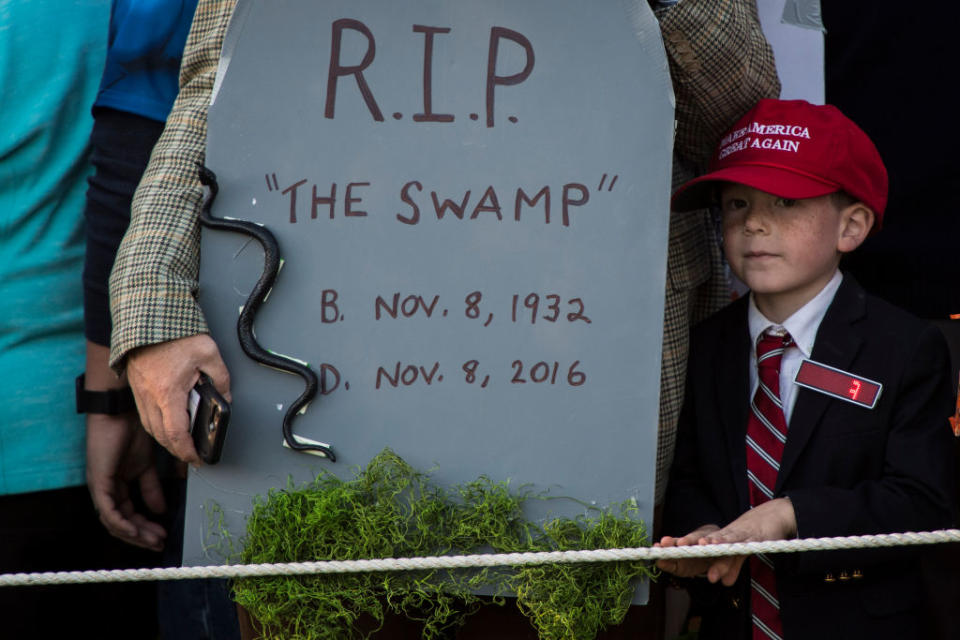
<point x="837" y="344"/>
<point x="733" y="390"/>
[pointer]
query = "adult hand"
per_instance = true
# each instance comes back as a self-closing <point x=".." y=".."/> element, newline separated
<point x="119" y="453"/>
<point x="162" y="376"/>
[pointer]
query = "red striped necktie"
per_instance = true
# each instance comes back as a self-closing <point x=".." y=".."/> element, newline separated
<point x="766" y="435"/>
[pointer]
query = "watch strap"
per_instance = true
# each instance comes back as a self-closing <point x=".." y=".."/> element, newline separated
<point x="111" y="402"/>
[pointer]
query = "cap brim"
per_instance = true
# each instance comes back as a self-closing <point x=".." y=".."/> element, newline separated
<point x="701" y="192"/>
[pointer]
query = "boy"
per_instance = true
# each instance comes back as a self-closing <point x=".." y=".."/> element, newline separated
<point x="863" y="387"/>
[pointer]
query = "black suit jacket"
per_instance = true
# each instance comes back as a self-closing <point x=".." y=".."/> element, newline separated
<point x="848" y="470"/>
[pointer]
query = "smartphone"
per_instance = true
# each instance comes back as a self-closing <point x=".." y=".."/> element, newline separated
<point x="209" y="417"/>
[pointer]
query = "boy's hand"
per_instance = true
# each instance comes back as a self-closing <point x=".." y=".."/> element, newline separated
<point x="773" y="520"/>
<point x="687" y="567"/>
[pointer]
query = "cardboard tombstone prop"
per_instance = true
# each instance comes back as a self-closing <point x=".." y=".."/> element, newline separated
<point x="471" y="201"/>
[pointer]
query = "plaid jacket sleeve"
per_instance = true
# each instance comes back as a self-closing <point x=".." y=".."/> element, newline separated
<point x="721" y="65"/>
<point x="153" y="285"/>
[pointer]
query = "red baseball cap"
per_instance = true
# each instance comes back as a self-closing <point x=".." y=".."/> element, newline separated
<point x="793" y="149"/>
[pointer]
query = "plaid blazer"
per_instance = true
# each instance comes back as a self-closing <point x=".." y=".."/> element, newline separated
<point x="720" y="63"/>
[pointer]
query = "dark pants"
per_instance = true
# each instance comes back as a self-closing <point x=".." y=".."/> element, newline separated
<point x="59" y="530"/>
<point x="193" y="609"/>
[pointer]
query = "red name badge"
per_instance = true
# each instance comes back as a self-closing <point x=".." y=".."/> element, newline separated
<point x="839" y="384"/>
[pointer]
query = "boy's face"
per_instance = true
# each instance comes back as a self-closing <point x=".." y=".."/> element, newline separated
<point x="784" y="250"/>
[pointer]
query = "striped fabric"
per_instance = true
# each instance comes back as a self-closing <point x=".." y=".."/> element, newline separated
<point x="766" y="436"/>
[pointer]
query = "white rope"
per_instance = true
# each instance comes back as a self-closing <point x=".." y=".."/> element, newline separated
<point x="481" y="560"/>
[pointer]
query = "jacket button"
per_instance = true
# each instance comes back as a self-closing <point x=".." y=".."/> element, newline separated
<point x="844" y="576"/>
<point x="829" y="578"/>
<point x="857" y="574"/>
<point x="735" y="603"/>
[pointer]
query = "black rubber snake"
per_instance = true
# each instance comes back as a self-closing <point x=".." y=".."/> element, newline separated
<point x="245" y="334"/>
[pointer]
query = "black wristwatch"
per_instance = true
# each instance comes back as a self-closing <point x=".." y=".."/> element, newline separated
<point x="112" y="402"/>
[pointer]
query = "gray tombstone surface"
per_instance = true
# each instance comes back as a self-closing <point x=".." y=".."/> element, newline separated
<point x="472" y="203"/>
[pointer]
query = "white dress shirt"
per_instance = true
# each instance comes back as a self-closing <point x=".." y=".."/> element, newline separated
<point x="802" y="326"/>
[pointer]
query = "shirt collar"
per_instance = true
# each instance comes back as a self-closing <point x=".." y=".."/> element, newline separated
<point x="804" y="322"/>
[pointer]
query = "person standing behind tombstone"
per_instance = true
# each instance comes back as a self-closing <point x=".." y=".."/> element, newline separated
<point x="139" y="84"/>
<point x="136" y="91"/>
<point x="51" y="59"/>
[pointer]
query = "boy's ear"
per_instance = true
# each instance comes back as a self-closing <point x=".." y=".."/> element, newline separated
<point x="856" y="220"/>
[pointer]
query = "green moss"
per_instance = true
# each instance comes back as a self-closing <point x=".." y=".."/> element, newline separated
<point x="391" y="510"/>
<point x="575" y="601"/>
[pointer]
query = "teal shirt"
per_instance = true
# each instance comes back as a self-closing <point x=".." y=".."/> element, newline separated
<point x="51" y="59"/>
